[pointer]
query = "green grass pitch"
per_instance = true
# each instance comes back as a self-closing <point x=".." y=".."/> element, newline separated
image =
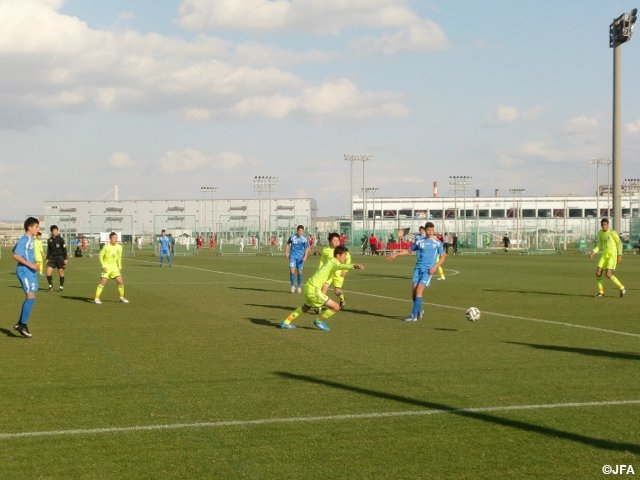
<point x="193" y="379"/>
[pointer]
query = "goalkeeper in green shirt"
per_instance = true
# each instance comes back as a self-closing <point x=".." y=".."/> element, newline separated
<point x="611" y="247"/>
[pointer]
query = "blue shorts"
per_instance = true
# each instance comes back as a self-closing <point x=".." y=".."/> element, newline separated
<point x="28" y="280"/>
<point x="421" y="275"/>
<point x="296" y="263"/>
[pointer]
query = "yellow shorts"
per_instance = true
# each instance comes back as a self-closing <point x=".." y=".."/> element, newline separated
<point x="608" y="261"/>
<point x="313" y="297"/>
<point x="111" y="273"/>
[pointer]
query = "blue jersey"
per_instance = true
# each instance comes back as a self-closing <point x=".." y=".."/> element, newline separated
<point x="298" y="245"/>
<point x="26" y="249"/>
<point x="427" y="251"/>
<point x="164" y="244"/>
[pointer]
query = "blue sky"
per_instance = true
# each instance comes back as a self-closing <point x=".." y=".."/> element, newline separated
<point x="162" y="97"/>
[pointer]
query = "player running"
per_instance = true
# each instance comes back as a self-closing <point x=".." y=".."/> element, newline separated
<point x="611" y="246"/>
<point x="429" y="256"/>
<point x="313" y="294"/>
<point x="337" y="280"/>
<point x="111" y="261"/>
<point x="296" y="251"/>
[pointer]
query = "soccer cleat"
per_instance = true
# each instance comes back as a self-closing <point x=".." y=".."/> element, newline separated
<point x="342" y="304"/>
<point x="22" y="329"/>
<point x="124" y="300"/>
<point x="299" y="289"/>
<point x="599" y="295"/>
<point x="622" y="292"/>
<point x="409" y="318"/>
<point x="441" y="278"/>
<point x="293" y="289"/>
<point x="321" y="325"/>
<point x="97" y="301"/>
<point x="421" y="315"/>
<point x="50" y="288"/>
<point x="287" y="326"/>
<point x="61" y="288"/>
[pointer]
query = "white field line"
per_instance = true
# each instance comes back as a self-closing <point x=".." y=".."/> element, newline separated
<point x="320" y="418"/>
<point x="504" y="315"/>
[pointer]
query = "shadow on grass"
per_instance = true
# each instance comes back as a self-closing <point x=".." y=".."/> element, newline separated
<point x="270" y="290"/>
<point x="447" y="329"/>
<point x="267" y="323"/>
<point x="77" y="299"/>
<point x="9" y="333"/>
<point x="594" y="352"/>
<point x="474" y="415"/>
<point x="527" y="292"/>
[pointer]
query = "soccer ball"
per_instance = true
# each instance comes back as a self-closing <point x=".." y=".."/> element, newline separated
<point x="472" y="314"/>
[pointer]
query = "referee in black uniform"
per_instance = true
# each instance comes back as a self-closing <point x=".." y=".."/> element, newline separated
<point x="56" y="256"/>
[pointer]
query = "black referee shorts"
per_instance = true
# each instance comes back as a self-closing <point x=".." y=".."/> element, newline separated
<point x="56" y="262"/>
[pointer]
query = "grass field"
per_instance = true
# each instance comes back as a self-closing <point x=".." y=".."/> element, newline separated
<point x="193" y="379"/>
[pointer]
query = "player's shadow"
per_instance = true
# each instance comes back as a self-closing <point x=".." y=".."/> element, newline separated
<point x="383" y="276"/>
<point x="527" y="292"/>
<point x="9" y="333"/>
<point x="252" y="289"/>
<point x="370" y="314"/>
<point x="474" y="414"/>
<point x="594" y="352"/>
<point x="267" y="323"/>
<point x="77" y="299"/>
<point x="274" y="307"/>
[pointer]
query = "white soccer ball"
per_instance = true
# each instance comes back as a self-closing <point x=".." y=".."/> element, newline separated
<point x="472" y="314"/>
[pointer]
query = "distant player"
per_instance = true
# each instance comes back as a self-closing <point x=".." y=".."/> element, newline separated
<point x="337" y="280"/>
<point x="429" y="256"/>
<point x="111" y="261"/>
<point x="611" y="247"/>
<point x="313" y="294"/>
<point x="27" y="272"/>
<point x="296" y="251"/>
<point x="39" y="252"/>
<point x="56" y="256"/>
<point x="164" y="248"/>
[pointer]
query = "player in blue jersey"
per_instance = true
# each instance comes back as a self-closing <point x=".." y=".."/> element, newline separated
<point x="164" y="247"/>
<point x="296" y="251"/>
<point x="430" y="256"/>
<point x="27" y="272"/>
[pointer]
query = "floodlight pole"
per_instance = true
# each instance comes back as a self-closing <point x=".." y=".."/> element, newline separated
<point x="373" y="191"/>
<point x="457" y="183"/>
<point x="211" y="190"/>
<point x="517" y="192"/>
<point x="359" y="157"/>
<point x="620" y="31"/>
<point x="261" y="184"/>
<point x="597" y="162"/>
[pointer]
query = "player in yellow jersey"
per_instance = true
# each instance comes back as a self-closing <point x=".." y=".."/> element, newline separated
<point x="338" y="277"/>
<point x="611" y="247"/>
<point x="111" y="261"/>
<point x="313" y="295"/>
<point x="39" y="252"/>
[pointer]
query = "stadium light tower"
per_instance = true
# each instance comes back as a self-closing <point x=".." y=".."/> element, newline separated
<point x="371" y="190"/>
<point x="210" y="190"/>
<point x="356" y="157"/>
<point x="458" y="183"/>
<point x="620" y="31"/>
<point x="517" y="192"/>
<point x="261" y="184"/>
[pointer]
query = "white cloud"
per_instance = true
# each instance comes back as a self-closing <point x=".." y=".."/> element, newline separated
<point x="507" y="115"/>
<point x="57" y="63"/>
<point x="191" y="160"/>
<point x="633" y="127"/>
<point x="581" y="125"/>
<point x="120" y="160"/>
<point x="421" y="37"/>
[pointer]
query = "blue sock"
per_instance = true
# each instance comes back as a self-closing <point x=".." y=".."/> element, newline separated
<point x="292" y="279"/>
<point x="26" y="310"/>
<point x="417" y="307"/>
<point x="299" y="279"/>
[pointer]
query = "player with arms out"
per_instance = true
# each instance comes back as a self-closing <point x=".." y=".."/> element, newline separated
<point x="611" y="247"/>
<point x="296" y="251"/>
<point x="111" y="261"/>
<point x="337" y="280"/>
<point x="27" y="272"/>
<point x="313" y="295"/>
<point x="430" y="256"/>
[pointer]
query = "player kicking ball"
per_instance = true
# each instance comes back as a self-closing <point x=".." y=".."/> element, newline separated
<point x="314" y="297"/>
